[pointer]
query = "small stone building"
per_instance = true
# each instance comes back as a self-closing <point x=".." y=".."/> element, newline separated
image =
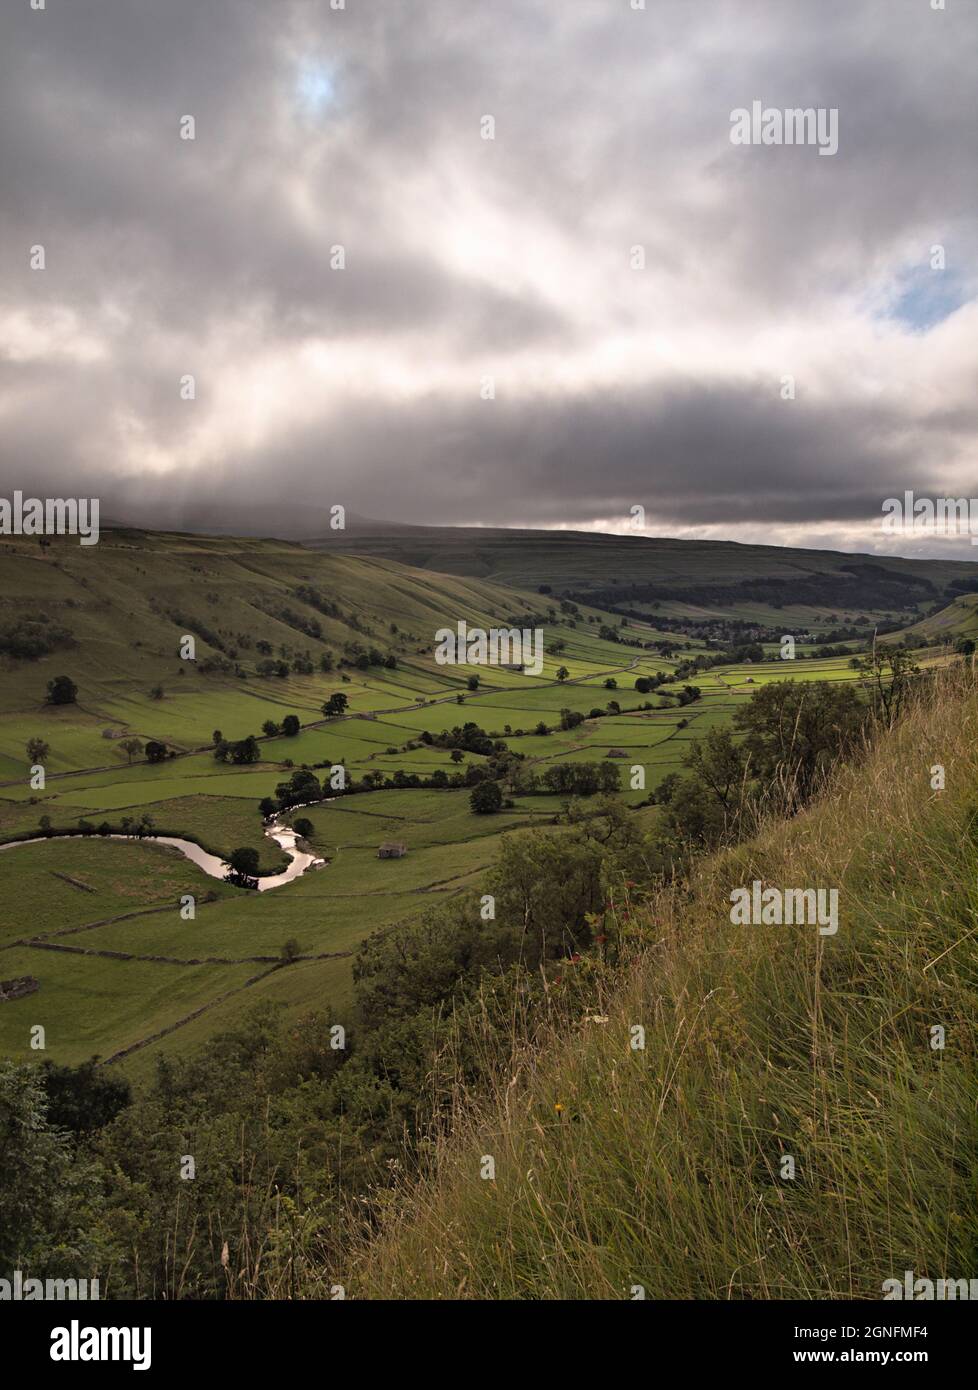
<point x="616" y="753"/>
<point x="393" y="849"/>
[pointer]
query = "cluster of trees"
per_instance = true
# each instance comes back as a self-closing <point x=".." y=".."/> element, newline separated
<point x="289" y="727"/>
<point x="862" y="584"/>
<point x="782" y="747"/>
<point x="571" y="779"/>
<point x="27" y="639"/>
<point x="466" y="738"/>
<point x="245" y="750"/>
<point x="308" y="593"/>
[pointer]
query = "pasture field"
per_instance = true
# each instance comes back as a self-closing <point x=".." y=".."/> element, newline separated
<point x="121" y="972"/>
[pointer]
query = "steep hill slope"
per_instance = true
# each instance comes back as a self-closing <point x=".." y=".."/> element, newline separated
<point x="128" y="600"/>
<point x="800" y="1122"/>
<point x="958" y="619"/>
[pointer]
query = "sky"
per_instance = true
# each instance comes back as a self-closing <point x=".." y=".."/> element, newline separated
<point x="381" y="308"/>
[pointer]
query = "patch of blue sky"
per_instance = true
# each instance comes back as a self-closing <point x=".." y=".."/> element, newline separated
<point x="924" y="298"/>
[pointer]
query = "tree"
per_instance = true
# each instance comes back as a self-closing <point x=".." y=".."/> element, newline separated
<point x="304" y="827"/>
<point x="302" y="787"/>
<point x="664" y="791"/>
<point x="83" y="1098"/>
<point x="796" y="730"/>
<point x="270" y="729"/>
<point x="246" y="750"/>
<point x="643" y="685"/>
<point x="62" y="690"/>
<point x="964" y="646"/>
<point x="563" y="673"/>
<point x="217" y="737"/>
<point x="48" y="1197"/>
<point x="456" y="755"/>
<point x="473" y="682"/>
<point x="611" y="683"/>
<point x="290" y="725"/>
<point x="156" y="693"/>
<point x="486" y="798"/>
<point x="243" y="867"/>
<point x="37" y="750"/>
<point x="721" y="765"/>
<point x="267" y="807"/>
<point x="155" y="752"/>
<point x="891" y="673"/>
<point x="131" y="747"/>
<point x="290" y="951"/>
<point x="336" y="704"/>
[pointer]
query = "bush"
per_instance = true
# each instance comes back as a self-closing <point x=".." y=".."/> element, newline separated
<point x="486" y="798"/>
<point x="62" y="690"/>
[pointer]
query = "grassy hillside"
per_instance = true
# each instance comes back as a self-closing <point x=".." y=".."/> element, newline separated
<point x="958" y="619"/>
<point x="665" y="1167"/>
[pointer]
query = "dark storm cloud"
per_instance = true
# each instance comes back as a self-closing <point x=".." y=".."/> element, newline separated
<point x="467" y="258"/>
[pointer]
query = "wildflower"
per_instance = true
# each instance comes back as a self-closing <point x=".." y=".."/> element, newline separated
<point x="559" y="1108"/>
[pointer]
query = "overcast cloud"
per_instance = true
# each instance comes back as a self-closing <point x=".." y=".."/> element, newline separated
<point x="508" y="259"/>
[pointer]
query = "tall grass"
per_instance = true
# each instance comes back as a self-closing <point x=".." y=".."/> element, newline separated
<point x="663" y="1167"/>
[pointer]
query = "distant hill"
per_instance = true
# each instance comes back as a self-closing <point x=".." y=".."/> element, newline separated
<point x="694" y="580"/>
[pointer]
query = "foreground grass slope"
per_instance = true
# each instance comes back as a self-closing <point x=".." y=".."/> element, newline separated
<point x="665" y="1167"/>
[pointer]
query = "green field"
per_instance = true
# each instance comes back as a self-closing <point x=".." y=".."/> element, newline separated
<point x="98" y="923"/>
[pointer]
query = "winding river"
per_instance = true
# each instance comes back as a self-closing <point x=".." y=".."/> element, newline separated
<point x="210" y="863"/>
